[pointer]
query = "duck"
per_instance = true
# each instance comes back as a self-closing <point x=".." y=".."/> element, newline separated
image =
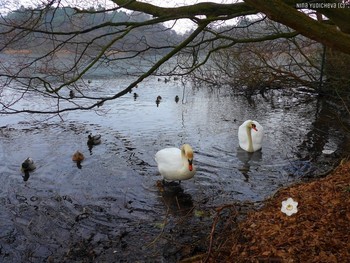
<point x="27" y="166"/>
<point x="176" y="164"/>
<point x="177" y="98"/>
<point x="250" y="136"/>
<point x="94" y="139"/>
<point x="158" y="100"/>
<point x="78" y="157"/>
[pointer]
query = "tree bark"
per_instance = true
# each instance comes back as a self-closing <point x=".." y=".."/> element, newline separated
<point x="281" y="12"/>
<point x="284" y="12"/>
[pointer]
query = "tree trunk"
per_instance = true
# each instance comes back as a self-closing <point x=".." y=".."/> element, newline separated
<point x="337" y="72"/>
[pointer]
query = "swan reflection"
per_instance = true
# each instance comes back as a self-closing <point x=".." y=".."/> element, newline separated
<point x="174" y="198"/>
<point x="246" y="158"/>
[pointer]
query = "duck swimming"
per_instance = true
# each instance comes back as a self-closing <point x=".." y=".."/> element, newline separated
<point x="78" y="157"/>
<point x="27" y="166"/>
<point x="158" y="100"/>
<point x="176" y="164"/>
<point x="94" y="139"/>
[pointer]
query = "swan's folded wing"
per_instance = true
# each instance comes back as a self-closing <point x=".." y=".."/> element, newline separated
<point x="169" y="159"/>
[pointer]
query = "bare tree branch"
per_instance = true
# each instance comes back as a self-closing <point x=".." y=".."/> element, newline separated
<point x="50" y="49"/>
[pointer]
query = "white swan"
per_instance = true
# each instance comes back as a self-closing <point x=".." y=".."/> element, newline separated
<point x="250" y="136"/>
<point x="175" y="164"/>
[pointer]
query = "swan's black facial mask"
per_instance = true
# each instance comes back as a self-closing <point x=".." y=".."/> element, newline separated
<point x="254" y="127"/>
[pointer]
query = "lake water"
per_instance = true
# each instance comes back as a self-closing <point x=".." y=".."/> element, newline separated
<point x="114" y="209"/>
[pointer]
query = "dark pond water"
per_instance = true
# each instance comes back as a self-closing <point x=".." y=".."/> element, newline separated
<point x="113" y="210"/>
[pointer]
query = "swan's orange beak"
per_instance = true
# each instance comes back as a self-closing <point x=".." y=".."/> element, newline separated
<point x="254" y="127"/>
<point x="190" y="165"/>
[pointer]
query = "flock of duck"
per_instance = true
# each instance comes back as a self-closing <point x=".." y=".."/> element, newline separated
<point x="174" y="164"/>
<point x="28" y="164"/>
<point x="158" y="99"/>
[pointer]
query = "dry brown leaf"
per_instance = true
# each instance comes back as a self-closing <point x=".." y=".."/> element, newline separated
<point x="317" y="233"/>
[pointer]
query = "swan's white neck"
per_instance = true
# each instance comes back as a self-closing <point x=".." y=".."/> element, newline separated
<point x="187" y="162"/>
<point x="250" y="140"/>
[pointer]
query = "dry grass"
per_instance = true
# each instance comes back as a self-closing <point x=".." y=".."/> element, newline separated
<point x="319" y="232"/>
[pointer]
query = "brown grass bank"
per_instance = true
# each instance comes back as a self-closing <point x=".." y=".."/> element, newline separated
<point x="318" y="232"/>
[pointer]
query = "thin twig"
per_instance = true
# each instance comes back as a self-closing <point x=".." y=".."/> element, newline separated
<point x="217" y="217"/>
<point x="162" y="230"/>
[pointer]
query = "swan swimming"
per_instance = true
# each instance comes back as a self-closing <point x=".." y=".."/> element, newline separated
<point x="176" y="164"/>
<point x="250" y="136"/>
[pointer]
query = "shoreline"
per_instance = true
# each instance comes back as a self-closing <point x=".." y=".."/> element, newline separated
<point x="318" y="232"/>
